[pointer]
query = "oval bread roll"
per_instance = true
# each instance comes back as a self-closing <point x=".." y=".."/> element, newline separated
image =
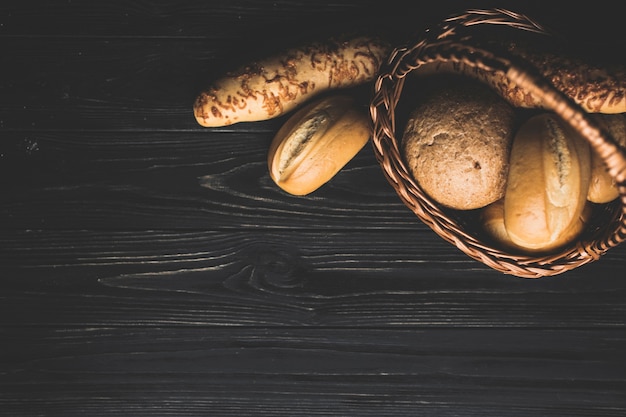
<point x="316" y="142"/>
<point x="603" y="188"/>
<point x="457" y="142"/>
<point x="492" y="219"/>
<point x="547" y="185"/>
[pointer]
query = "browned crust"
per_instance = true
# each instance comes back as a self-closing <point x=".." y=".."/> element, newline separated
<point x="269" y="88"/>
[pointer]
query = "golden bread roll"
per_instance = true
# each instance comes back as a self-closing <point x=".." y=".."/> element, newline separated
<point x="492" y="220"/>
<point x="546" y="192"/>
<point x="603" y="188"/>
<point x="457" y="142"/>
<point x="316" y="142"/>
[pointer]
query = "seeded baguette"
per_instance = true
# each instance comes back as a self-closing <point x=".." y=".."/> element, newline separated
<point x="597" y="87"/>
<point x="270" y="87"/>
<point x="273" y="86"/>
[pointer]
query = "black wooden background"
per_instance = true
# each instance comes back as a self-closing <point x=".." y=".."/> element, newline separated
<point x="150" y="267"/>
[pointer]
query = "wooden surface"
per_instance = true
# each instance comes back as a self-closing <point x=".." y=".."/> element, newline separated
<point x="150" y="267"/>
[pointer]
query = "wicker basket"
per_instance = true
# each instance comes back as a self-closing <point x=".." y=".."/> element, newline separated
<point x="453" y="42"/>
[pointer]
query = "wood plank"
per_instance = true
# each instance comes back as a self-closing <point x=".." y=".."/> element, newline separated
<point x="149" y="267"/>
<point x="104" y="84"/>
<point x="117" y="83"/>
<point x="287" y="278"/>
<point x="217" y="371"/>
<point x="114" y="84"/>
<point x="183" y="180"/>
<point x="236" y="18"/>
<point x="195" y="18"/>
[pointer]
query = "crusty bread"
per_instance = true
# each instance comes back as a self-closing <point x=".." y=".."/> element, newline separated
<point x="492" y="220"/>
<point x="457" y="142"/>
<point x="316" y="142"/>
<point x="278" y="84"/>
<point x="547" y="186"/>
<point x="603" y="187"/>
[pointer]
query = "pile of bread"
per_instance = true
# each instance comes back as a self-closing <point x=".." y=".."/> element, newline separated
<point x="527" y="177"/>
<point x="533" y="180"/>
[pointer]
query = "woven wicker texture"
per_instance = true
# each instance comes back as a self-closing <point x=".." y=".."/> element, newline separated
<point x="452" y="42"/>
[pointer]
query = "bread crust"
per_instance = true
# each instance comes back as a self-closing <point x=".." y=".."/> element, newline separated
<point x="276" y="85"/>
<point x="603" y="187"/>
<point x="547" y="185"/>
<point x="457" y="143"/>
<point x="316" y="142"/>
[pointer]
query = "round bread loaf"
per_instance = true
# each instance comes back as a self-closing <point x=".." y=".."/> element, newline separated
<point x="457" y="143"/>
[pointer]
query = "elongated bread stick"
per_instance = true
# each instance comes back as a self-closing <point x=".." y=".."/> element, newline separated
<point x="271" y="87"/>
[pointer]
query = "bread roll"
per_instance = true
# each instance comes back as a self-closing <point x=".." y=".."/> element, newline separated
<point x="275" y="85"/>
<point x="547" y="185"/>
<point x="457" y="142"/>
<point x="492" y="220"/>
<point x="316" y="142"/>
<point x="603" y="188"/>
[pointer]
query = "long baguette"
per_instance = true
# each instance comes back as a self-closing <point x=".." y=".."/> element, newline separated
<point x="273" y="86"/>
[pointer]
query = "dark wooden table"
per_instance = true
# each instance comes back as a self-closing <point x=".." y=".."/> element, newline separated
<point x="150" y="267"/>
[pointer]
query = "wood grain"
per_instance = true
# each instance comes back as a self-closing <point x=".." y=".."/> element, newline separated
<point x="288" y="278"/>
<point x="212" y="371"/>
<point x="183" y="180"/>
<point x="150" y="267"/>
